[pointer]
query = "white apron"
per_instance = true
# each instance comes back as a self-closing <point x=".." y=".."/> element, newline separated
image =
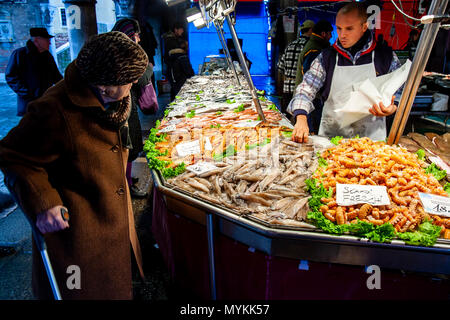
<point x="341" y="86"/>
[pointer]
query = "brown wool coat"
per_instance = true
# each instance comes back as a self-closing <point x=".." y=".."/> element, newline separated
<point x="61" y="156"/>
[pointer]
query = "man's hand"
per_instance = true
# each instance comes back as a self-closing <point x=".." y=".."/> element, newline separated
<point x="51" y="220"/>
<point x="301" y="130"/>
<point x="382" y="111"/>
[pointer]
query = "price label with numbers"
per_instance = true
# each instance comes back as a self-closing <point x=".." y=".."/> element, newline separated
<point x="434" y="204"/>
<point x="188" y="148"/>
<point x="201" y="167"/>
<point x="351" y="194"/>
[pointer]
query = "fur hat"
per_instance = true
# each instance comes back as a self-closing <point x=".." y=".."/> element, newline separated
<point x="111" y="59"/>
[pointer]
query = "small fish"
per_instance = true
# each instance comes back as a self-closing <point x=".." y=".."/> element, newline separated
<point x="253" y="198"/>
<point x="197" y="185"/>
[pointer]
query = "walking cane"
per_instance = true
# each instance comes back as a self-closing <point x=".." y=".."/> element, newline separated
<point x="41" y="245"/>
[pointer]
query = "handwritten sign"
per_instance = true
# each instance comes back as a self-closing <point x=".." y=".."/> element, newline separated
<point x="201" y="167"/>
<point x="188" y="148"/>
<point x="351" y="194"/>
<point x="169" y="128"/>
<point x="434" y="204"/>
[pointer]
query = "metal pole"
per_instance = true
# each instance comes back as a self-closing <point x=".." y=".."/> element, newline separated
<point x="245" y="68"/>
<point x="212" y="266"/>
<point x="227" y="53"/>
<point x="415" y="73"/>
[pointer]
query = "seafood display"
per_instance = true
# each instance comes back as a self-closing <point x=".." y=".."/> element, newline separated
<point x="212" y="145"/>
<point x="365" y="162"/>
<point x="266" y="182"/>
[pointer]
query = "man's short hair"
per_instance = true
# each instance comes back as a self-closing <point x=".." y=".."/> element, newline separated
<point x="355" y="6"/>
<point x="322" y="26"/>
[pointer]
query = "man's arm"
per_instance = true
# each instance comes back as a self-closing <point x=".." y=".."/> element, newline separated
<point x="302" y="103"/>
<point x="13" y="77"/>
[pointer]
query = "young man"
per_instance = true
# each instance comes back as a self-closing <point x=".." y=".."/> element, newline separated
<point x="31" y="69"/>
<point x="353" y="58"/>
<point x="287" y="66"/>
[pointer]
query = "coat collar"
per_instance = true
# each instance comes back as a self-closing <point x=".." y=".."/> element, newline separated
<point x="78" y="90"/>
<point x="368" y="47"/>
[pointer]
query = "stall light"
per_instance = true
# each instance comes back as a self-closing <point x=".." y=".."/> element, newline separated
<point x="200" y="23"/>
<point x="193" y="14"/>
<point x="174" y="2"/>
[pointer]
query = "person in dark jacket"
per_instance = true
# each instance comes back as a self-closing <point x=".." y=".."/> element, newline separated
<point x="175" y="46"/>
<point x="131" y="28"/>
<point x="31" y="69"/>
<point x="181" y="70"/>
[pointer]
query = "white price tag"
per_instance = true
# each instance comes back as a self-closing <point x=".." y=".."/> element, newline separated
<point x="188" y="148"/>
<point x="247" y="124"/>
<point x="169" y="128"/>
<point x="201" y="167"/>
<point x="351" y="194"/>
<point x="434" y="204"/>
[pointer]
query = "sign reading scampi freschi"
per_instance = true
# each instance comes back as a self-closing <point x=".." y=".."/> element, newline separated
<point x="352" y="194"/>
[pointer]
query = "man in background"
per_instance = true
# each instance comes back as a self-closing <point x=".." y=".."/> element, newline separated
<point x="31" y="69"/>
<point x="287" y="66"/>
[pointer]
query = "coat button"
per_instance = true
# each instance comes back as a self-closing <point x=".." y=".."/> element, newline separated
<point x="120" y="191"/>
<point x="115" y="148"/>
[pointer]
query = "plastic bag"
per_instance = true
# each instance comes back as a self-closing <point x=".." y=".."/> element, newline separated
<point x="148" y="101"/>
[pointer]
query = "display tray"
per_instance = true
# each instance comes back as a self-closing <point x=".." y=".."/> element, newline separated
<point x="308" y="243"/>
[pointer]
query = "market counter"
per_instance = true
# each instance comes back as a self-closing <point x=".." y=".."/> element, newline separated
<point x="214" y="254"/>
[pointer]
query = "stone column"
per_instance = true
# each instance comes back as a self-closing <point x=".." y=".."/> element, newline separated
<point x="81" y="23"/>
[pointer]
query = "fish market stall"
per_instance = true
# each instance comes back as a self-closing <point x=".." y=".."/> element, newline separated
<point x="236" y="211"/>
<point x="242" y="212"/>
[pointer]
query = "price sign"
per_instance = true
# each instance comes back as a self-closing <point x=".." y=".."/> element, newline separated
<point x="169" y="128"/>
<point x="434" y="204"/>
<point x="201" y="167"/>
<point x="351" y="194"/>
<point x="188" y="148"/>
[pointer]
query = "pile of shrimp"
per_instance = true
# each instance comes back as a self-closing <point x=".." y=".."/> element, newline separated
<point x="365" y="162"/>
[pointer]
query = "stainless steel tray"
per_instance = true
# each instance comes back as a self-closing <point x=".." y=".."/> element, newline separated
<point x="310" y="244"/>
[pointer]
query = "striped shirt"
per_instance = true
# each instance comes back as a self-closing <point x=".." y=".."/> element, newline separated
<point x="287" y="65"/>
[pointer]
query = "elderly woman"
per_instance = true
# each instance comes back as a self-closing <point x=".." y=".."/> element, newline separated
<point x="70" y="150"/>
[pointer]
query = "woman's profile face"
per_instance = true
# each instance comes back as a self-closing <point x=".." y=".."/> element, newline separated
<point x="114" y="93"/>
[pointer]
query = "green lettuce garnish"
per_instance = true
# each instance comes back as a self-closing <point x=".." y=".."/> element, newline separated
<point x="273" y="107"/>
<point x="447" y="188"/>
<point x="420" y="154"/>
<point x="287" y="134"/>
<point x="436" y="172"/>
<point x="173" y="172"/>
<point x="190" y="114"/>
<point x="240" y="108"/>
<point x="229" y="101"/>
<point x="219" y="113"/>
<point x="335" y="140"/>
<point x="425" y="236"/>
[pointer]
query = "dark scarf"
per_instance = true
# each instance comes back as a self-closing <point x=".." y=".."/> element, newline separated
<point x="115" y="117"/>
<point x="358" y="46"/>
